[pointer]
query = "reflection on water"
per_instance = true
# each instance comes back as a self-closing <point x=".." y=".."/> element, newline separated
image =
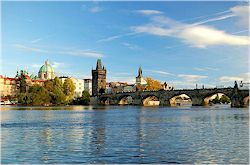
<point x="126" y="134"/>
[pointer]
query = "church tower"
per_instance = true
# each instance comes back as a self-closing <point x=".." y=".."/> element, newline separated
<point x="140" y="79"/>
<point x="98" y="79"/>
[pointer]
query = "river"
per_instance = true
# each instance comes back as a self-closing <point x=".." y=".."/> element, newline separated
<point x="124" y="134"/>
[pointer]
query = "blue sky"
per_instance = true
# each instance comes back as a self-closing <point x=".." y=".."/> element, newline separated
<point x="182" y="43"/>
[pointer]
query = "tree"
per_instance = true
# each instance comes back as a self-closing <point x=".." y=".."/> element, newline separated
<point x="85" y="99"/>
<point x="153" y="84"/>
<point x="23" y="83"/>
<point x="57" y="82"/>
<point x="49" y="85"/>
<point x="39" y="95"/>
<point x="58" y="97"/>
<point x="69" y="89"/>
<point x="224" y="99"/>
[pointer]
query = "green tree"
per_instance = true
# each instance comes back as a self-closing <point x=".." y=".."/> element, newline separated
<point x="24" y="98"/>
<point x="85" y="99"/>
<point x="224" y="99"/>
<point x="58" y="97"/>
<point x="23" y="83"/>
<point x="216" y="100"/>
<point x="49" y="85"/>
<point x="69" y="89"/>
<point x="57" y="82"/>
<point x="55" y="88"/>
<point x="39" y="95"/>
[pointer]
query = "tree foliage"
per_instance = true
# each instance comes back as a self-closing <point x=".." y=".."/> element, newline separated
<point x="84" y="100"/>
<point x="69" y="89"/>
<point x="39" y="95"/>
<point x="23" y="83"/>
<point x="55" y="88"/>
<point x="153" y="84"/>
<point x="51" y="93"/>
<point x="224" y="100"/>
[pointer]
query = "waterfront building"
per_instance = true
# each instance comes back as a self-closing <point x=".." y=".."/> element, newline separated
<point x="88" y="85"/>
<point x="98" y="79"/>
<point x="46" y="72"/>
<point x="140" y="79"/>
<point x="10" y="86"/>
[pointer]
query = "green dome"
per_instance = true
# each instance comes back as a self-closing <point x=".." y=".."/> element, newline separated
<point x="46" y="68"/>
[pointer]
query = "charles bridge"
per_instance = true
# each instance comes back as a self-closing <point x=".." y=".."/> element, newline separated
<point x="199" y="97"/>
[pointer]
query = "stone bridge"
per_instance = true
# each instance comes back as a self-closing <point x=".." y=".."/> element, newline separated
<point x="239" y="98"/>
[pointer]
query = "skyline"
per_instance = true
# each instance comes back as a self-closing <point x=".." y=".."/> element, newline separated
<point x="168" y="44"/>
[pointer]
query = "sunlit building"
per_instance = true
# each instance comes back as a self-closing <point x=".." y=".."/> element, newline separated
<point x="88" y="85"/>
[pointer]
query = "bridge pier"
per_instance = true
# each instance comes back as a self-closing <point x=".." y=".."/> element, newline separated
<point x="164" y="102"/>
<point x="197" y="101"/>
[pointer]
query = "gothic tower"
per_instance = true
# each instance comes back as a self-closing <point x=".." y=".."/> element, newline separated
<point x="98" y="79"/>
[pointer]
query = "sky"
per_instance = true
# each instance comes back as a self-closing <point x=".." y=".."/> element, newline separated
<point x="181" y="43"/>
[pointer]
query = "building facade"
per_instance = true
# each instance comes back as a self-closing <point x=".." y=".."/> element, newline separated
<point x="98" y="79"/>
<point x="88" y="85"/>
<point x="10" y="86"/>
<point x="46" y="72"/>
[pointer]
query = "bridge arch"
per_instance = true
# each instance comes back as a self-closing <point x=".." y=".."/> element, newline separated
<point x="151" y="100"/>
<point x="180" y="99"/>
<point x="105" y="100"/>
<point x="125" y="100"/>
<point x="216" y="97"/>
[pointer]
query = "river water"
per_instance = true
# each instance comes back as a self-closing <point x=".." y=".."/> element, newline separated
<point x="124" y="134"/>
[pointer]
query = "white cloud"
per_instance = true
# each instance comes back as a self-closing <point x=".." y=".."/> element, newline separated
<point x="115" y="37"/>
<point x="128" y="79"/>
<point x="160" y="72"/>
<point x="203" y="36"/>
<point x="95" y="9"/>
<point x="206" y="69"/>
<point x="29" y="49"/>
<point x="191" y="77"/>
<point x="195" y="34"/>
<point x="149" y="12"/>
<point x="36" y="65"/>
<point x="213" y="19"/>
<point x="57" y="64"/>
<point x="153" y="29"/>
<point x="83" y="53"/>
<point x="243" y="13"/>
<point x="131" y="46"/>
<point x="242" y="77"/>
<point x="72" y="52"/>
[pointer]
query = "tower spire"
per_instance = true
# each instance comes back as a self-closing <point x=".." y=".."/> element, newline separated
<point x="140" y="72"/>
<point x="99" y="64"/>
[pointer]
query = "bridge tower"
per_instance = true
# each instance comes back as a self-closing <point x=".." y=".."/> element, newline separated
<point x="98" y="79"/>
